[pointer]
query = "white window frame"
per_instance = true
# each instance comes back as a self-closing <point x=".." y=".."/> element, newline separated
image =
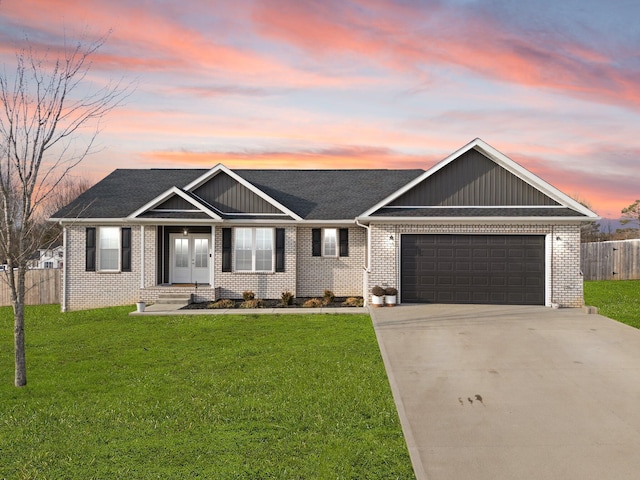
<point x="99" y="250"/>
<point x="324" y="243"/>
<point x="254" y="249"/>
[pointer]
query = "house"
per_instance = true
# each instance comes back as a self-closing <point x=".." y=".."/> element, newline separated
<point x="48" y="257"/>
<point x="475" y="228"/>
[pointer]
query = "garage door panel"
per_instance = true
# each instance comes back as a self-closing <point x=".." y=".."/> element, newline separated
<point x="491" y="269"/>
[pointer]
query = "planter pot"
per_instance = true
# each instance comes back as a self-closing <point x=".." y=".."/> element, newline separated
<point x="377" y="301"/>
<point x="140" y="306"/>
<point x="390" y="300"/>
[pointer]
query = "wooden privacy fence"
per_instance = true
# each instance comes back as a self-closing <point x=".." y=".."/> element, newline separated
<point x="42" y="287"/>
<point x="618" y="260"/>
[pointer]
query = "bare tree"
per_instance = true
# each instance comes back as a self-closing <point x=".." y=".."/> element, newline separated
<point x="49" y="119"/>
<point x="631" y="213"/>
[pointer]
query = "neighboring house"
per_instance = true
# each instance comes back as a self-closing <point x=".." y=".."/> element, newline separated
<point x="50" y="257"/>
<point x="475" y="228"/>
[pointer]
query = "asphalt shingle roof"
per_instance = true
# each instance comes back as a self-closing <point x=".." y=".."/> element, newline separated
<point x="312" y="194"/>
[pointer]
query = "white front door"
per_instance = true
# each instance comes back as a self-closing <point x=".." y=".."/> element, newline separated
<point x="190" y="258"/>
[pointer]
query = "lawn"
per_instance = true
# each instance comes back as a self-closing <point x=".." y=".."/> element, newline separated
<point x="113" y="396"/>
<point x="617" y="299"/>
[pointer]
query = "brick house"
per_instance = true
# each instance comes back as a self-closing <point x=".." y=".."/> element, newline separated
<point x="475" y="228"/>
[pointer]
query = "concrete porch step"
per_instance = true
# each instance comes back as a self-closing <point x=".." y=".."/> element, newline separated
<point x="174" y="298"/>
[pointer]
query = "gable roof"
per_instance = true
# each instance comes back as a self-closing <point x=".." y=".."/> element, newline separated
<point x="478" y="181"/>
<point x="300" y="194"/>
<point x="475" y="182"/>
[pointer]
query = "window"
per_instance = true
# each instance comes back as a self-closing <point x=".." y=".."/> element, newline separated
<point x="48" y="264"/>
<point x="109" y="248"/>
<point x="329" y="242"/>
<point x="253" y="249"/>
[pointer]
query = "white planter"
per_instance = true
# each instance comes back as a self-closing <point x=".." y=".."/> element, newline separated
<point x="377" y="301"/>
<point x="140" y="306"/>
<point x="390" y="300"/>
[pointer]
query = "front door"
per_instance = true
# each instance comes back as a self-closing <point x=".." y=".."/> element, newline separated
<point x="190" y="258"/>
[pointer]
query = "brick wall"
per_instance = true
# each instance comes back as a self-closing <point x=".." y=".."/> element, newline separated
<point x="341" y="275"/>
<point x="97" y="289"/>
<point x="565" y="282"/>
<point x="264" y="285"/>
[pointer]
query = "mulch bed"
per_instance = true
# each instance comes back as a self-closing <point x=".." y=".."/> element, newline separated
<point x="296" y="303"/>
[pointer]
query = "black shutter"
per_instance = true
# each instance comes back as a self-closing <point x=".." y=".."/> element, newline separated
<point x="279" y="249"/>
<point x="226" y="249"/>
<point x="90" y="249"/>
<point x="125" y="251"/>
<point x="316" y="242"/>
<point x="344" y="242"/>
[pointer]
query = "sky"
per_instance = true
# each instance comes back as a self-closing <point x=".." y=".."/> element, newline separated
<point x="554" y="85"/>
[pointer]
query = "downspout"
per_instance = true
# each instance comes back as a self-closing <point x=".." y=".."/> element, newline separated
<point x="142" y="258"/>
<point x="367" y="267"/>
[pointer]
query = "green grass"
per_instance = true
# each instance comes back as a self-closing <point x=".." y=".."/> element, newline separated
<point x="617" y="299"/>
<point x="256" y="397"/>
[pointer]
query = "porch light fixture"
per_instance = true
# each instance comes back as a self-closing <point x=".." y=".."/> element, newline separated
<point x="391" y="237"/>
<point x="558" y="239"/>
<point x="185" y="231"/>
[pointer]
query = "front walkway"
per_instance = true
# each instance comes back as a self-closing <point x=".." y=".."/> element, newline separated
<point x="172" y="309"/>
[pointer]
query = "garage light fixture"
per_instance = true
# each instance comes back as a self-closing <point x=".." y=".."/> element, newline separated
<point x="558" y="239"/>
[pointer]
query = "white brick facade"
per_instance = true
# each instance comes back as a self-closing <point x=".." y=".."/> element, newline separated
<point x="304" y="275"/>
<point x="564" y="280"/>
<point x="342" y="275"/>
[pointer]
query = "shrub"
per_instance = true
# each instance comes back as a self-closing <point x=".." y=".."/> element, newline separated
<point x="252" y="303"/>
<point x="353" y="302"/>
<point x="286" y="298"/>
<point x="328" y="297"/>
<point x="248" y="295"/>
<point x="223" y="303"/>
<point x="377" y="291"/>
<point x="391" y="291"/>
<point x="313" y="303"/>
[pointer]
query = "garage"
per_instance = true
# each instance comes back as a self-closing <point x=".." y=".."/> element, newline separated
<point x="481" y="269"/>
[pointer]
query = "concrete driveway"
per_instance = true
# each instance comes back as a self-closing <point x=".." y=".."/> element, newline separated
<point x="502" y="392"/>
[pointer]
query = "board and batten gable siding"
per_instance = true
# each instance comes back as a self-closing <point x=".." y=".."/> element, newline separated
<point x="175" y="203"/>
<point x="472" y="180"/>
<point x="564" y="283"/>
<point x="342" y="275"/>
<point x="89" y="289"/>
<point x="229" y="196"/>
<point x="263" y="285"/>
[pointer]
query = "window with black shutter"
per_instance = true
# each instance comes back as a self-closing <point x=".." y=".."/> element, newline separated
<point x="125" y="252"/>
<point x="90" y="249"/>
<point x="226" y="250"/>
<point x="279" y="249"/>
<point x="344" y="242"/>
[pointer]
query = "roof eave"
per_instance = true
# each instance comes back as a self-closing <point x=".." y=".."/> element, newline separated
<point x="510" y="220"/>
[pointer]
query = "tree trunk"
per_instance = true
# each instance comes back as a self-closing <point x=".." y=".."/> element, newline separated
<point x="18" y="331"/>
<point x="18" y="335"/>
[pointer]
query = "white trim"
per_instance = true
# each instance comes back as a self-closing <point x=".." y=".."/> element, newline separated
<point x="221" y="168"/>
<point x="166" y="195"/>
<point x="473" y="220"/>
<point x="548" y="274"/>
<point x="503" y="161"/>
<point x="417" y="207"/>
